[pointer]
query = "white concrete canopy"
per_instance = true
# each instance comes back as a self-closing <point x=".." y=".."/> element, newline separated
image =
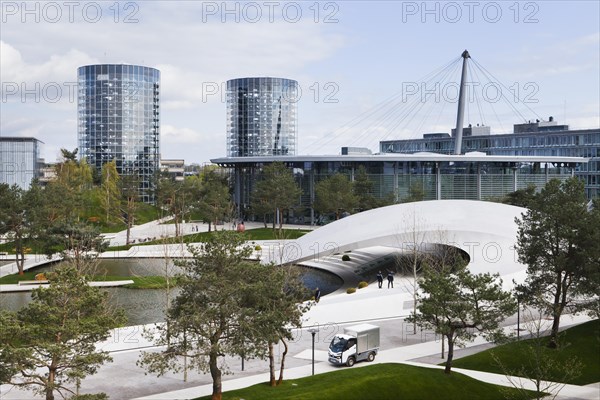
<point x="486" y="231"/>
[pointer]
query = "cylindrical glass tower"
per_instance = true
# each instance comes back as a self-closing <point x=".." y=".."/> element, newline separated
<point x="261" y="117"/>
<point x="119" y="119"/>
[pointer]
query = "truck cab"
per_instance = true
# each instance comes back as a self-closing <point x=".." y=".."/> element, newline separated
<point x="357" y="343"/>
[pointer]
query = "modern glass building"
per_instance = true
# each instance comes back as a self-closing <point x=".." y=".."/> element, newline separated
<point x="119" y="119"/>
<point x="541" y="138"/>
<point x="20" y="160"/>
<point x="261" y="117"/>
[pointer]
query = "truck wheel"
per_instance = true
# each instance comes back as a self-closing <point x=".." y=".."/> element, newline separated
<point x="350" y="361"/>
<point x="371" y="357"/>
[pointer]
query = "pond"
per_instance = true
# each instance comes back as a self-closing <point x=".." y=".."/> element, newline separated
<point x="148" y="305"/>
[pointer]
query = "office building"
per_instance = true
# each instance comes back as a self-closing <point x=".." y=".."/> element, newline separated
<point x="20" y="160"/>
<point x="119" y="119"/>
<point x="539" y="138"/>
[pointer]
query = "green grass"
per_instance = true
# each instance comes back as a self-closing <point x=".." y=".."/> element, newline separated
<point x="15" y="278"/>
<point x="581" y="341"/>
<point x="139" y="282"/>
<point x="251" y="234"/>
<point x="380" y="381"/>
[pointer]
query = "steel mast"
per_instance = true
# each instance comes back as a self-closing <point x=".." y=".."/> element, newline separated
<point x="461" y="106"/>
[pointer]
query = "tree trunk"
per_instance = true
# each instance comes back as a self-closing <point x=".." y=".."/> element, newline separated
<point x="280" y="219"/>
<point x="556" y="312"/>
<point x="271" y="366"/>
<point x="450" y="353"/>
<point x="20" y="260"/>
<point x="50" y="383"/>
<point x="215" y="373"/>
<point x="209" y="226"/>
<point x="282" y="367"/>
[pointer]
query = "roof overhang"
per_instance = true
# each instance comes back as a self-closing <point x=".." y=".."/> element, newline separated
<point x="418" y="157"/>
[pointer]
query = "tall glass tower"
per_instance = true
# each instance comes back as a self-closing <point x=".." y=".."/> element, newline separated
<point x="261" y="117"/>
<point x="119" y="119"/>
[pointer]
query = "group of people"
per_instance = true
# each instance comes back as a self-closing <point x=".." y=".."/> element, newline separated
<point x="390" y="279"/>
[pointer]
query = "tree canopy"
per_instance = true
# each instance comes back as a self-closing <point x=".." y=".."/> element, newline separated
<point x="334" y="194"/>
<point x="559" y="241"/>
<point x="215" y="313"/>
<point x="275" y="192"/>
<point x="459" y="304"/>
<point x="51" y="343"/>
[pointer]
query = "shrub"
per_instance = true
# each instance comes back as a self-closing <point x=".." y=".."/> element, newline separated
<point x="362" y="284"/>
<point x="257" y="248"/>
<point x="345" y="257"/>
<point x="351" y="290"/>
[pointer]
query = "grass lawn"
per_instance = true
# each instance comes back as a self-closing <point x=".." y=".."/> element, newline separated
<point x="379" y="381"/>
<point x="581" y="341"/>
<point x="251" y="234"/>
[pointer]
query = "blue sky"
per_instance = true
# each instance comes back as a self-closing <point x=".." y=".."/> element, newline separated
<point x="348" y="57"/>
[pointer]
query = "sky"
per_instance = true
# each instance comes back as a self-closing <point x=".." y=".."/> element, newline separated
<point x="366" y="70"/>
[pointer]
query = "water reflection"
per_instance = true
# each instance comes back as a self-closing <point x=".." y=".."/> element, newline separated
<point x="148" y="305"/>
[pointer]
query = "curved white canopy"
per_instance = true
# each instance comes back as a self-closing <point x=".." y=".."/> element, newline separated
<point x="486" y="231"/>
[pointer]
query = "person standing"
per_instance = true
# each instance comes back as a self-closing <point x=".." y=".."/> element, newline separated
<point x="317" y="294"/>
<point x="390" y="278"/>
<point x="380" y="279"/>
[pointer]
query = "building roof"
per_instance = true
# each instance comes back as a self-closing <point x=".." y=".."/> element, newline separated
<point x="423" y="157"/>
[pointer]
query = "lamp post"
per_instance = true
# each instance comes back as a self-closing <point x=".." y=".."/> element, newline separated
<point x="313" y="331"/>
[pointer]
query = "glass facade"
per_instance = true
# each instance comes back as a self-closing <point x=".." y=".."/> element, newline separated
<point x="119" y="119"/>
<point x="565" y="143"/>
<point x="19" y="161"/>
<point x="261" y="117"/>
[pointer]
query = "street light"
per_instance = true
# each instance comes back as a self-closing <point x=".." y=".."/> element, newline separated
<point x="313" y="331"/>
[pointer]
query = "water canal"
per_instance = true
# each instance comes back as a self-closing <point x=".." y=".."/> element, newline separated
<point x="143" y="306"/>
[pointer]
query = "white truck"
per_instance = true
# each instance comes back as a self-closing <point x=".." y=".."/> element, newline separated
<point x="357" y="343"/>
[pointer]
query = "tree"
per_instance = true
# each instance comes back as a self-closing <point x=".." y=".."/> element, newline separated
<point x="51" y="343"/>
<point x="416" y="192"/>
<point x="19" y="218"/>
<point x="276" y="192"/>
<point x="214" y="314"/>
<point x="177" y="199"/>
<point x="71" y="191"/>
<point x="215" y="200"/>
<point x="334" y="194"/>
<point x="558" y="241"/>
<point x="363" y="189"/>
<point x="110" y="191"/>
<point x="129" y="202"/>
<point x="13" y="221"/>
<point x="457" y="304"/>
<point x="521" y="197"/>
<point x="78" y="243"/>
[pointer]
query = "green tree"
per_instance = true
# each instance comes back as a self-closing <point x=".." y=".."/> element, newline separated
<point x="50" y="344"/>
<point x="456" y="305"/>
<point x="214" y="314"/>
<point x="334" y="194"/>
<point x="176" y="199"/>
<point x="521" y="197"/>
<point x="558" y="239"/>
<point x="129" y="202"/>
<point x="19" y="218"/>
<point x="416" y="192"/>
<point x="110" y="192"/>
<point x="78" y="243"/>
<point x="214" y="199"/>
<point x="364" y="190"/>
<point x="70" y="194"/>
<point x="276" y="191"/>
